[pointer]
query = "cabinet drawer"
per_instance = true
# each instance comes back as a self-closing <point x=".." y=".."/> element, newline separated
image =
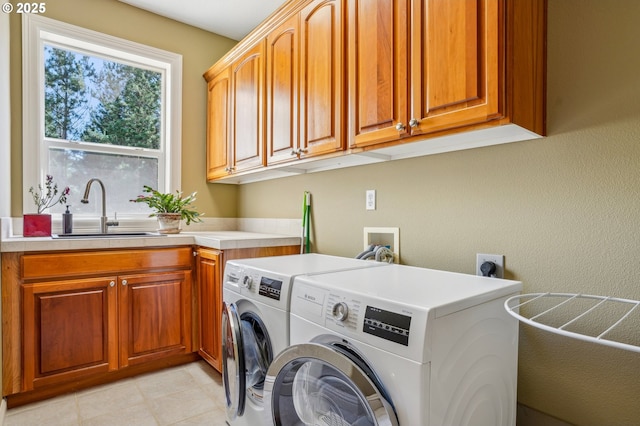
<point x="65" y="265"/>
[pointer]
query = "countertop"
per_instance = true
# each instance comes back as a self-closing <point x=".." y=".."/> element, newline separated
<point x="222" y="240"/>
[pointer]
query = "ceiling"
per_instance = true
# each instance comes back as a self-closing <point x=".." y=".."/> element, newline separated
<point x="233" y="19"/>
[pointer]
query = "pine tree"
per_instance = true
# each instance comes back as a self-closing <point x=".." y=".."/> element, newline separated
<point x="129" y="109"/>
<point x="66" y="100"/>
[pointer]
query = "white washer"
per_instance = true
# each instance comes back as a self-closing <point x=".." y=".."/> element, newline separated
<point x="255" y="322"/>
<point x="396" y="345"/>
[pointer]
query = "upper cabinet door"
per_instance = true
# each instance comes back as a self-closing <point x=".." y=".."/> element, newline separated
<point x="378" y="70"/>
<point x="283" y="66"/>
<point x="218" y="108"/>
<point x="321" y="77"/>
<point x="247" y="100"/>
<point x="455" y="63"/>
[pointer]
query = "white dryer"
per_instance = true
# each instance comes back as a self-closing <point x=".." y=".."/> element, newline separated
<point x="396" y="345"/>
<point x="255" y="322"/>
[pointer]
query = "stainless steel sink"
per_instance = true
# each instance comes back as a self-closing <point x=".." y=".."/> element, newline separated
<point x="109" y="235"/>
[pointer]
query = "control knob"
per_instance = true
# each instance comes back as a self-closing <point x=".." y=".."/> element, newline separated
<point x="340" y="311"/>
<point x="247" y="282"/>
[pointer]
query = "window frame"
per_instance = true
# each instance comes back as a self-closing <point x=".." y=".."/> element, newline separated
<point x="38" y="31"/>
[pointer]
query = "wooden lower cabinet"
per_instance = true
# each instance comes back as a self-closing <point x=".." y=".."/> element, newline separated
<point x="77" y="319"/>
<point x="70" y="329"/>
<point x="210" y="305"/>
<point x="155" y="316"/>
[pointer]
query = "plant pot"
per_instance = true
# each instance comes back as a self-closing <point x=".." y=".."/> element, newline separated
<point x="169" y="223"/>
<point x="36" y="225"/>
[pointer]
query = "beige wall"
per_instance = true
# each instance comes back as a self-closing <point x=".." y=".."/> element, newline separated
<point x="199" y="50"/>
<point x="564" y="210"/>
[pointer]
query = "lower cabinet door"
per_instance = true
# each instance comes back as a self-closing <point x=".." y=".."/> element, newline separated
<point x="210" y="306"/>
<point x="155" y="316"/>
<point x="70" y="330"/>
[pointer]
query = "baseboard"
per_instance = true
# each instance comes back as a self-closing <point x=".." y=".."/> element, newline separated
<point x="528" y="416"/>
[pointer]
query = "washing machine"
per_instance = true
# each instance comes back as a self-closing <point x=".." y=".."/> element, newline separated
<point x="396" y="346"/>
<point x="255" y="322"/>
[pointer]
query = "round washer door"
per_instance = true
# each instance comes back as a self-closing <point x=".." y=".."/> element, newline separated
<point x="315" y="384"/>
<point x="233" y="368"/>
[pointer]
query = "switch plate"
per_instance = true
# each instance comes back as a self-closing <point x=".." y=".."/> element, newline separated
<point x="498" y="259"/>
<point x="371" y="199"/>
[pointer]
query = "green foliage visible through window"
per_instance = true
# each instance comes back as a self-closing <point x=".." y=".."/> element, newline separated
<point x="91" y="99"/>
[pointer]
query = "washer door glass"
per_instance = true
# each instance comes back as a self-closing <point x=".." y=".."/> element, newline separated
<point x="313" y="384"/>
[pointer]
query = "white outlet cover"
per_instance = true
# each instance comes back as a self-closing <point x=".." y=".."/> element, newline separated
<point x="371" y="199"/>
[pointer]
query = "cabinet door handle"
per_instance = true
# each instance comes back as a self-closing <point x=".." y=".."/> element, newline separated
<point x="299" y="151"/>
<point x="400" y="127"/>
<point x="124" y="282"/>
<point x="112" y="283"/>
<point x="413" y="123"/>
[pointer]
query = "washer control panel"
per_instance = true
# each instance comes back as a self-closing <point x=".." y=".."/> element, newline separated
<point x="246" y="279"/>
<point x="270" y="287"/>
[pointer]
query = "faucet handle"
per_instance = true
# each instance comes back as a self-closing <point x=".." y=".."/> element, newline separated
<point x="113" y="222"/>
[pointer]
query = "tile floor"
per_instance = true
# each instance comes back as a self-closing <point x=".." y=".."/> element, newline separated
<point x="190" y="394"/>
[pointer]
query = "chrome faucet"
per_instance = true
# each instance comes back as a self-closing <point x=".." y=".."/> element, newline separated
<point x="104" y="222"/>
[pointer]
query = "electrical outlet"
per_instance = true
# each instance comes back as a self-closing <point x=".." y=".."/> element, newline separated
<point x="371" y="199"/>
<point x="498" y="259"/>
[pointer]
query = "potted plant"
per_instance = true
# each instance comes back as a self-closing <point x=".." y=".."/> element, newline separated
<point x="39" y="225"/>
<point x="170" y="209"/>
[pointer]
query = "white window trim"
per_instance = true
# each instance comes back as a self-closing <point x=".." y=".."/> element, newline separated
<point x="5" y="118"/>
<point x="35" y="30"/>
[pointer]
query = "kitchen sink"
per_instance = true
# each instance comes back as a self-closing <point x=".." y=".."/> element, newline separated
<point x="110" y="235"/>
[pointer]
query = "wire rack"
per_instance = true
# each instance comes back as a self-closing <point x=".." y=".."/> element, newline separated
<point x="600" y="319"/>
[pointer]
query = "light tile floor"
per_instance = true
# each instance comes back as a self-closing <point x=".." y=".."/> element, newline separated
<point x="190" y="394"/>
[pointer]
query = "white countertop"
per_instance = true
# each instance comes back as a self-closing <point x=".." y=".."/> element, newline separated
<point x="223" y="240"/>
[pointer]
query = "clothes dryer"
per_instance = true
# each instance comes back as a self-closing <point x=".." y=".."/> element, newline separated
<point x="396" y="346"/>
<point x="255" y="322"/>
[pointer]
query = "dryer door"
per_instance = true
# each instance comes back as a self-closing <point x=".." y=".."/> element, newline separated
<point x="246" y="355"/>
<point x="233" y="367"/>
<point x="317" y="384"/>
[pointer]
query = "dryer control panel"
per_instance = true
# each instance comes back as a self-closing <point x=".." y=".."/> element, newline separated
<point x="342" y="311"/>
<point x="270" y="288"/>
<point x="387" y="325"/>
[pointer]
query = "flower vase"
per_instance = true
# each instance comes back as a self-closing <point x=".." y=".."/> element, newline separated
<point x="36" y="225"/>
<point x="169" y="223"/>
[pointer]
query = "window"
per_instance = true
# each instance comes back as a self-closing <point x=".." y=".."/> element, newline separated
<point x="96" y="106"/>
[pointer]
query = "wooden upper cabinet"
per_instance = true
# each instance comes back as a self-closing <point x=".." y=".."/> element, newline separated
<point x="282" y="91"/>
<point x="456" y="56"/>
<point x="347" y="76"/>
<point x="421" y="66"/>
<point x="321" y="77"/>
<point x="247" y="100"/>
<point x="218" y="108"/>
<point x="378" y="82"/>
